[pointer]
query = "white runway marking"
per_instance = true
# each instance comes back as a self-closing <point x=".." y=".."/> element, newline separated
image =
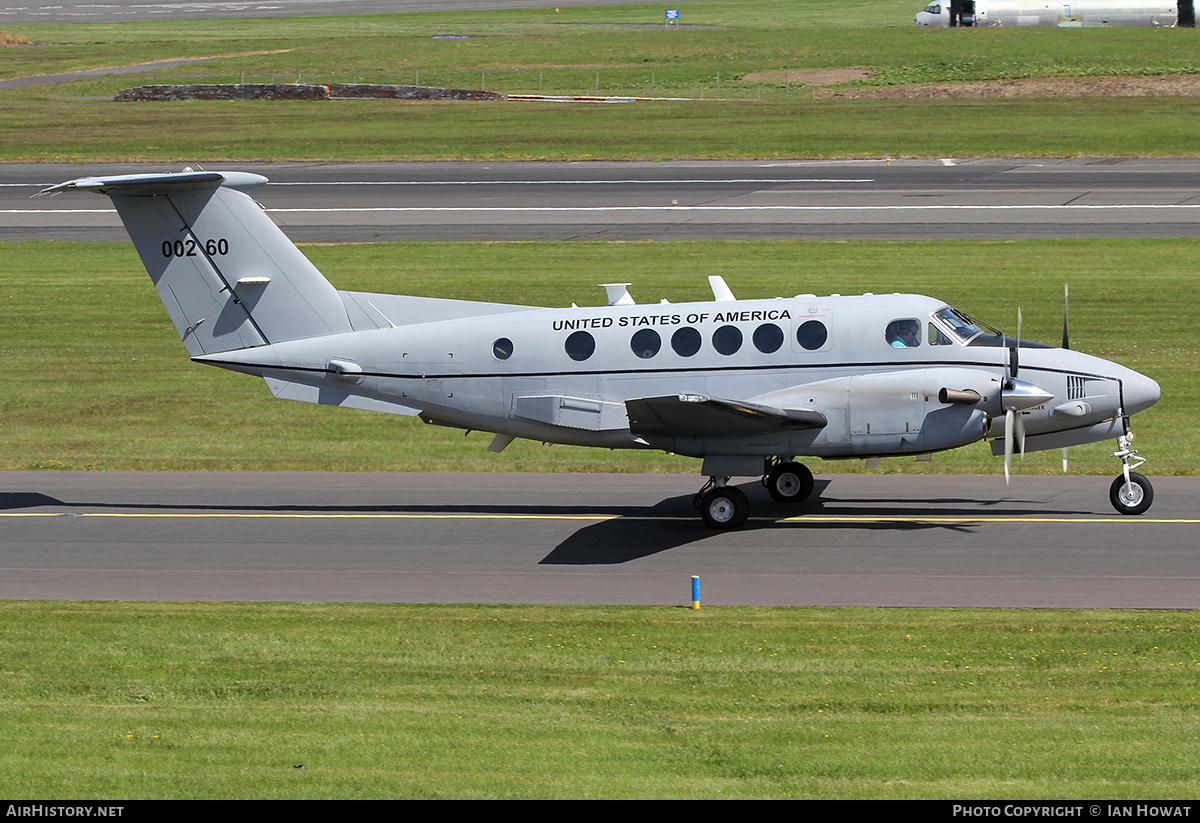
<point x="488" y="209"/>
<point x="672" y="208"/>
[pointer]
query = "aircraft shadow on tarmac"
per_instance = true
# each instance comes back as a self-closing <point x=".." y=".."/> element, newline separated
<point x="674" y="523"/>
<point x="628" y="533"/>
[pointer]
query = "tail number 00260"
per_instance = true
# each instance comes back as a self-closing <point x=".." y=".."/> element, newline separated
<point x="191" y="247"/>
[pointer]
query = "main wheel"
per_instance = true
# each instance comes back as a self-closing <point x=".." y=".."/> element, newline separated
<point x="1133" y="497"/>
<point x="790" y="482"/>
<point x="724" y="507"/>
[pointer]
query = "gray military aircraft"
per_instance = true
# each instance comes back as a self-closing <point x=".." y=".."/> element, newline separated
<point x="745" y="385"/>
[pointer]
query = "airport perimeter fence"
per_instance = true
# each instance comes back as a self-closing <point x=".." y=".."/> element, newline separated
<point x="767" y="86"/>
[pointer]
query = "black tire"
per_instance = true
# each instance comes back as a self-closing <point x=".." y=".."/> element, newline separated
<point x="1134" y="498"/>
<point x="790" y="482"/>
<point x="724" y="507"/>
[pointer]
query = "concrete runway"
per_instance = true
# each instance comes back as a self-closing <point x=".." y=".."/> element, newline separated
<point x="900" y="200"/>
<point x="604" y="539"/>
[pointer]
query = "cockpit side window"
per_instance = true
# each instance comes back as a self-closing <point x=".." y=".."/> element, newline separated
<point x="937" y="337"/>
<point x="903" y="333"/>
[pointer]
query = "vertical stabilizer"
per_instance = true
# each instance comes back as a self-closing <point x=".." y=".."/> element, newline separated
<point x="228" y="277"/>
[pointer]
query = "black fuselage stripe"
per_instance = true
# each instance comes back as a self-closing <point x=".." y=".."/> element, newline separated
<point x="906" y="366"/>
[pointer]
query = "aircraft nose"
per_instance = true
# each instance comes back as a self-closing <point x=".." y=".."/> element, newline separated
<point x="1139" y="392"/>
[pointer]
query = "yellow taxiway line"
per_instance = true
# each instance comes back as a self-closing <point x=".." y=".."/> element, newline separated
<point x="802" y="518"/>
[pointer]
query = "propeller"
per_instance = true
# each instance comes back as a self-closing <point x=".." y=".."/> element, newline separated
<point x="1014" y="427"/>
<point x="1066" y="344"/>
<point x="1015" y="397"/>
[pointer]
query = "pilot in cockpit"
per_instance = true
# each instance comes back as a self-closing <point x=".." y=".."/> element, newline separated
<point x="904" y="333"/>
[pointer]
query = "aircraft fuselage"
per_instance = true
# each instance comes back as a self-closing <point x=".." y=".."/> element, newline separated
<point x="564" y="375"/>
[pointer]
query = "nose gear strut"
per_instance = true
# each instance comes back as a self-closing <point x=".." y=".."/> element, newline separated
<point x="1130" y="493"/>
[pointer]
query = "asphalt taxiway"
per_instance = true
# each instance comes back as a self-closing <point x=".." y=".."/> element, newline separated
<point x="867" y="540"/>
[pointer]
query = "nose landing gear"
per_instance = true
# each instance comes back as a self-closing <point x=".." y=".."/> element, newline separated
<point x="1130" y="493"/>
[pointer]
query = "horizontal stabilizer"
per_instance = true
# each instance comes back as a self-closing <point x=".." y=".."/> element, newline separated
<point x="698" y="416"/>
<point x="145" y="185"/>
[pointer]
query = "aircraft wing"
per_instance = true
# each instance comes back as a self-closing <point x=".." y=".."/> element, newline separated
<point x="696" y="416"/>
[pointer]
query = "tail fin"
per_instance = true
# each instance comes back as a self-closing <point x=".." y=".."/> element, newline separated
<point x="229" y="278"/>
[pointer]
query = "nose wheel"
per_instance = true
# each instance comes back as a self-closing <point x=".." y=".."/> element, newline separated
<point x="1131" y="496"/>
<point x="1130" y="493"/>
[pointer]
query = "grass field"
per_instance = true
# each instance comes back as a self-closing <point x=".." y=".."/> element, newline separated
<point x="341" y="701"/>
<point x="594" y="50"/>
<point x="123" y="394"/>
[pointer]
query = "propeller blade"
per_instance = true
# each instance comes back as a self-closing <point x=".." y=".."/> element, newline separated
<point x="1019" y="433"/>
<point x="1017" y="346"/>
<point x="1008" y="442"/>
<point x="1066" y="293"/>
<point x="1014" y="357"/>
<point x="1064" y="459"/>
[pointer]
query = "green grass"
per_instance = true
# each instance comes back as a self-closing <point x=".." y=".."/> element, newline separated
<point x="589" y="50"/>
<point x="62" y="131"/>
<point x="99" y="380"/>
<point x="128" y="701"/>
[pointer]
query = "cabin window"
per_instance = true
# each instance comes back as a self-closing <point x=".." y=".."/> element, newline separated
<point x="768" y="338"/>
<point x="646" y="343"/>
<point x="580" y="345"/>
<point x="686" y="341"/>
<point x="727" y="339"/>
<point x="502" y="349"/>
<point x="904" y="333"/>
<point x="812" y="335"/>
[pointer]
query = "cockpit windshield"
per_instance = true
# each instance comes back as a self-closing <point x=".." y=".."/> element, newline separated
<point x="968" y="332"/>
<point x="934" y="8"/>
<point x="961" y="326"/>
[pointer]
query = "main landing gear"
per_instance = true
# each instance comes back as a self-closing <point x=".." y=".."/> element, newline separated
<point x="1130" y="493"/>
<point x="726" y="507"/>
<point x="722" y="506"/>
<point x="788" y="482"/>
